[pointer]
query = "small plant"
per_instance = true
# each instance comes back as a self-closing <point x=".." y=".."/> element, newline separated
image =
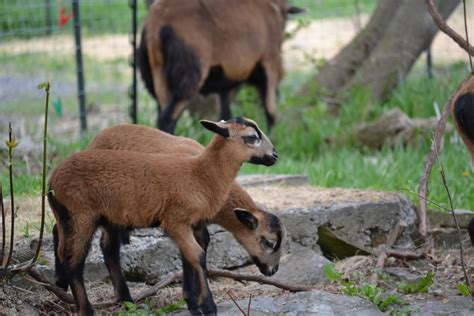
<point x="421" y="286"/>
<point x="464" y="290"/>
<point x="148" y="309"/>
<point x="26" y="230"/>
<point x="372" y="292"/>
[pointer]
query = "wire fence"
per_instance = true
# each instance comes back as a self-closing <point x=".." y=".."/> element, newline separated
<point x="37" y="43"/>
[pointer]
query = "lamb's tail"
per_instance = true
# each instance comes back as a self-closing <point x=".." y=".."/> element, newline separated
<point x="63" y="221"/>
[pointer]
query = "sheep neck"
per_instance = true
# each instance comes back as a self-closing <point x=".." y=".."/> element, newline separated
<point x="219" y="163"/>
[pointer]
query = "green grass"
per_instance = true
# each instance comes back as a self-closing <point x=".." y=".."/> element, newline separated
<point x="27" y="18"/>
<point x="309" y="138"/>
<point x="323" y="9"/>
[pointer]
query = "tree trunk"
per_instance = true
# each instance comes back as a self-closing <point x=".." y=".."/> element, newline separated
<point x="383" y="53"/>
<point x="339" y="70"/>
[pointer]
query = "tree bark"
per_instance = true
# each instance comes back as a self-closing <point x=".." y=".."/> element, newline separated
<point x="385" y="50"/>
<point x="339" y="70"/>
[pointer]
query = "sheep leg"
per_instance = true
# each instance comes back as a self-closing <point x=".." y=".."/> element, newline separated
<point x="224" y="99"/>
<point x="110" y="245"/>
<point x="194" y="257"/>
<point x="268" y="92"/>
<point x="190" y="275"/>
<point x="167" y="118"/>
<point x="59" y="270"/>
<point x="78" y="241"/>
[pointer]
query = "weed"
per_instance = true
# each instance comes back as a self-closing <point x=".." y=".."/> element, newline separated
<point x="384" y="301"/>
<point x="421" y="286"/>
<point x="464" y="289"/>
<point x="148" y="309"/>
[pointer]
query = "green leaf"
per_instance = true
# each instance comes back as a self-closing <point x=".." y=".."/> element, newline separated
<point x="171" y="307"/>
<point x="44" y="86"/>
<point x="131" y="307"/>
<point x="421" y="286"/>
<point x="41" y="85"/>
<point x="13" y="143"/>
<point x="464" y="289"/>
<point x="330" y="272"/>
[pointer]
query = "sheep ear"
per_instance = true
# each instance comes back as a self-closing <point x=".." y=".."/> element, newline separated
<point x="295" y="10"/>
<point x="218" y="128"/>
<point x="246" y="218"/>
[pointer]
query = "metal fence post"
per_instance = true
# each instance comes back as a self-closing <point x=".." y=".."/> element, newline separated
<point x="48" y="18"/>
<point x="133" y="63"/>
<point x="429" y="62"/>
<point x="79" y="68"/>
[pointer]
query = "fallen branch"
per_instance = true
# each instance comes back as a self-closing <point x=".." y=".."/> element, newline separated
<point x="402" y="254"/>
<point x="446" y="29"/>
<point x="169" y="279"/>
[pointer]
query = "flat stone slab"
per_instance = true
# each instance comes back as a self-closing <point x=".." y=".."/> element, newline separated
<point x="263" y="180"/>
<point x="363" y="217"/>
<point x="304" y="303"/>
<point x="302" y="266"/>
<point x="453" y="306"/>
<point x="445" y="219"/>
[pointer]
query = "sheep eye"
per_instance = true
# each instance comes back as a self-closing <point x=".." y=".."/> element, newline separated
<point x="250" y="139"/>
<point x="270" y="243"/>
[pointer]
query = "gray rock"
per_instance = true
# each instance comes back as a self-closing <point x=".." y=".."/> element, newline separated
<point x="445" y="219"/>
<point x="453" y="306"/>
<point x="302" y="266"/>
<point x="403" y="275"/>
<point x="448" y="238"/>
<point x="304" y="303"/>
<point x="367" y="222"/>
<point x="257" y="180"/>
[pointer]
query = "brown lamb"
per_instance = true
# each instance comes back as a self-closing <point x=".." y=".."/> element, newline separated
<point x="127" y="189"/>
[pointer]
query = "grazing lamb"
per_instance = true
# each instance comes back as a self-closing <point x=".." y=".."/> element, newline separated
<point x="259" y="232"/>
<point x="212" y="46"/>
<point x="120" y="190"/>
<point x="462" y="111"/>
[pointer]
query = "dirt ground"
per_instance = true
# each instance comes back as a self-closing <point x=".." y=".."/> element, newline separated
<point x="360" y="269"/>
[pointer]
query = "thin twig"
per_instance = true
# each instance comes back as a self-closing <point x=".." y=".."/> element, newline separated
<point x="427" y="199"/>
<point x="248" y="307"/>
<point x="43" y="192"/>
<point x="467" y="34"/>
<point x="429" y="162"/>
<point x="235" y="303"/>
<point x="2" y="206"/>
<point x="445" y="28"/>
<point x="461" y="248"/>
<point x="12" y="199"/>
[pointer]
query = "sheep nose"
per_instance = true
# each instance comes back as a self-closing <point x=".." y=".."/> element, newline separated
<point x="275" y="269"/>
<point x="275" y="154"/>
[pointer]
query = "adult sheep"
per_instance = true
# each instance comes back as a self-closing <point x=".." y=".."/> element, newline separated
<point x="212" y="46"/>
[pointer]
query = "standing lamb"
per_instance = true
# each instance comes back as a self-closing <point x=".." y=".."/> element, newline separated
<point x="212" y="46"/>
<point x="259" y="232"/>
<point x="125" y="190"/>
